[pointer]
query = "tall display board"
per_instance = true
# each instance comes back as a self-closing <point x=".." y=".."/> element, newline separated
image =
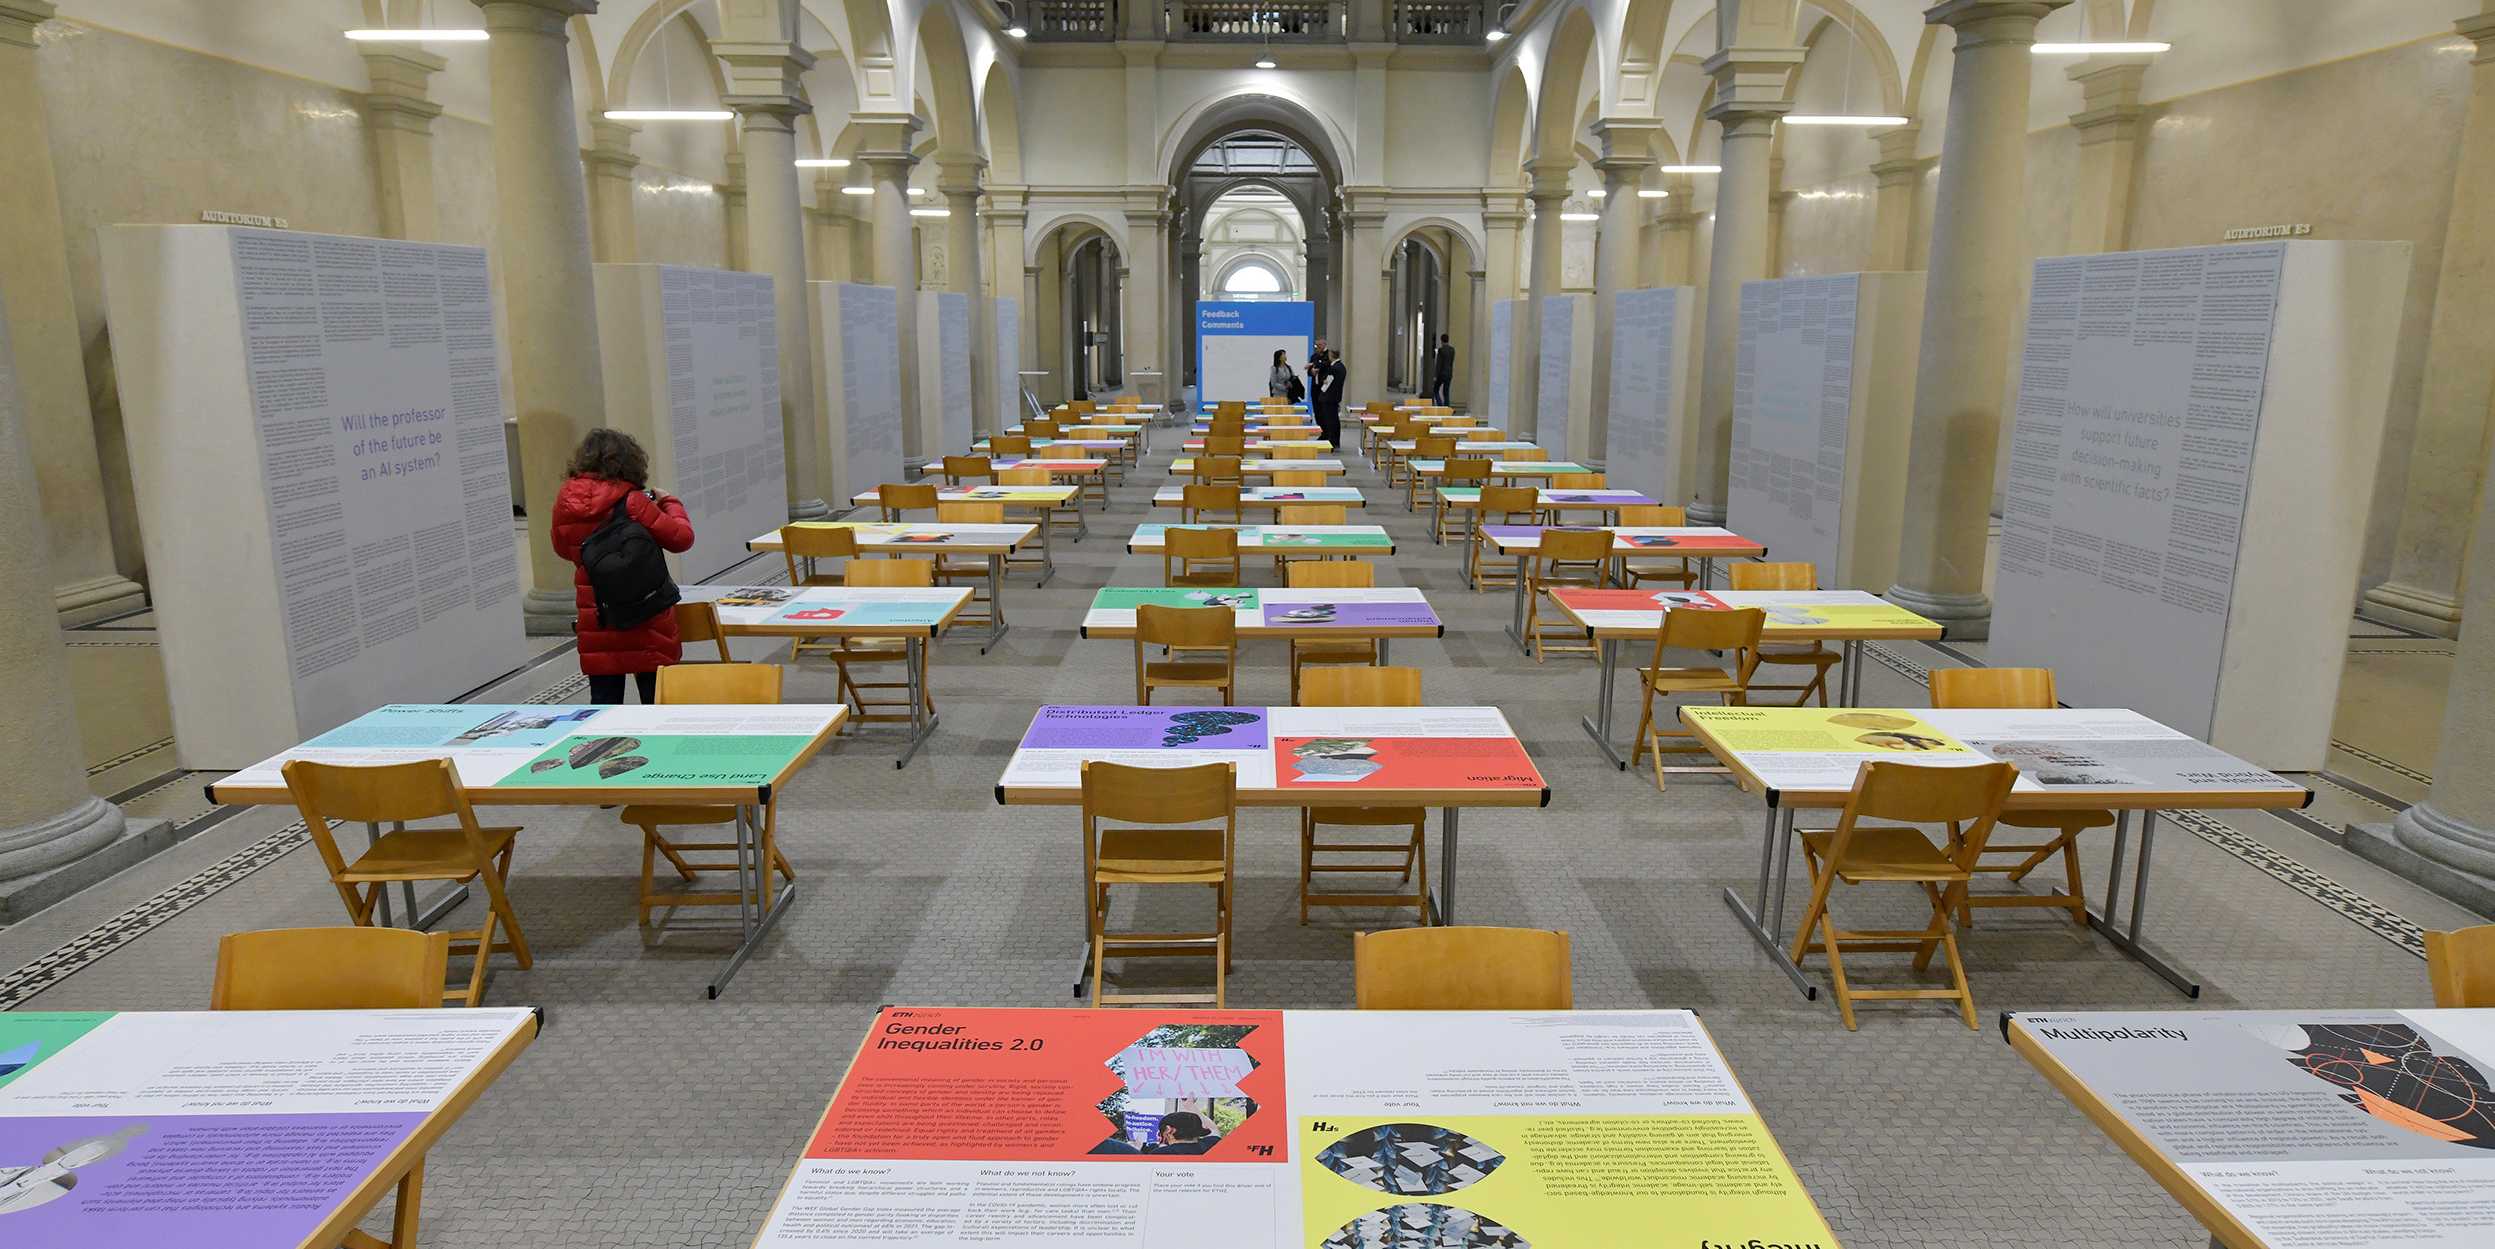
<point x="944" y="371"/>
<point x="1823" y="397"/>
<point x="1652" y="439"/>
<point x="1499" y="406"/>
<point x="1563" y="416"/>
<point x="1235" y="342"/>
<point x="316" y="434"/>
<point x="1005" y="321"/>
<point x="858" y="350"/>
<point x="692" y="366"/>
<point x="2173" y="404"/>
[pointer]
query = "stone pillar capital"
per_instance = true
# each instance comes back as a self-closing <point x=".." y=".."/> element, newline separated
<point x="2478" y="28"/>
<point x="1622" y="175"/>
<point x="1627" y="138"/>
<point x="1981" y="22"/>
<point x="18" y="19"/>
<point x="886" y="138"/>
<point x="765" y="81"/>
<point x="1898" y="163"/>
<point x="1751" y="84"/>
<point x="1549" y="183"/>
<point x="959" y="175"/>
<point x="400" y="98"/>
<point x="533" y="17"/>
<point x="2109" y="98"/>
<point x="610" y="147"/>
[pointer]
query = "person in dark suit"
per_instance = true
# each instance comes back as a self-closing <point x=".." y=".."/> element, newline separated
<point x="1441" y="371"/>
<point x="1325" y="393"/>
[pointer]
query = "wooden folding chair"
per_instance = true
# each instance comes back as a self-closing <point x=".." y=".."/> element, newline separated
<point x="1567" y="558"/>
<point x="2461" y="963"/>
<point x="898" y="499"/>
<point x="1817" y="656"/>
<point x="806" y="546"/>
<point x="1170" y="848"/>
<point x="1184" y="632"/>
<point x="1307" y="514"/>
<point x="1967" y="800"/>
<point x="1500" y="505"/>
<point x="1066" y="515"/>
<point x="1330" y="575"/>
<point x="1462" y="968"/>
<point x="1526" y="455"/>
<point x="1467" y="472"/>
<point x="2025" y="689"/>
<point x="1225" y="444"/>
<point x="969" y="568"/>
<point x="1676" y="569"/>
<point x="339" y="969"/>
<point x="851" y="653"/>
<point x="1201" y="500"/>
<point x="1011" y="444"/>
<point x="393" y="794"/>
<point x="1297" y="478"/>
<point x="1217" y="469"/>
<point x="1735" y="633"/>
<point x="724" y="684"/>
<point x="1363" y="687"/>
<point x="961" y="470"/>
<point x="699" y="622"/>
<point x="1097" y="482"/>
<point x="1191" y="556"/>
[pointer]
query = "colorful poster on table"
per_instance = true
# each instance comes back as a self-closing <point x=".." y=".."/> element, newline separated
<point x="1128" y="598"/>
<point x="862" y="612"/>
<point x="1145" y="728"/>
<point x="2368" y="1129"/>
<point x="1290" y="1130"/>
<point x="1819" y="748"/>
<point x="1399" y="748"/>
<point x="659" y="760"/>
<point x="1350" y="615"/>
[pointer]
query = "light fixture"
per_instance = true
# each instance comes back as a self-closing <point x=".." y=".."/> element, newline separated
<point x="917" y="191"/>
<point x="2108" y="49"/>
<point x="1581" y="216"/>
<point x="1597" y="193"/>
<point x="857" y="190"/>
<point x="931" y="212"/>
<point x="1016" y="30"/>
<point x="1840" y="119"/>
<point x="1690" y="169"/>
<point x="1647" y="192"/>
<point x="1264" y="56"/>
<point x="1498" y="23"/>
<point x="1495" y="35"/>
<point x="825" y="162"/>
<point x="1013" y="22"/>
<point x="400" y="34"/>
<point x="1265" y="61"/>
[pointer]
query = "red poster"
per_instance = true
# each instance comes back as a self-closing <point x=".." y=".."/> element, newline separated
<point x="1637" y="600"/>
<point x="964" y="1084"/>
<point x="1403" y="763"/>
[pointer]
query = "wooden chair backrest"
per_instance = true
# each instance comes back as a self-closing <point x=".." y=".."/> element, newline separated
<point x="1231" y="408"/>
<point x="957" y="467"/>
<point x="1225" y="444"/>
<point x="1185" y="628"/>
<point x="1527" y="455"/>
<point x="2026" y="689"/>
<point x="1010" y="444"/>
<point x="1024" y="477"/>
<point x="1472" y="470"/>
<point x="420" y="789"/>
<point x="1084" y="407"/>
<point x="1062" y="451"/>
<point x="1332" y="574"/>
<point x="751" y="684"/>
<point x="1968" y="799"/>
<point x="1786" y="575"/>
<point x="1432" y="447"/>
<point x="1217" y="468"/>
<point x="1509" y="501"/>
<point x="2461" y="963"/>
<point x="1699" y="629"/>
<point x="1187" y="542"/>
<point x="1206" y="496"/>
<point x="1462" y="968"/>
<point x="1041" y="429"/>
<point x="1130" y="795"/>
<point x="343" y="968"/>
<point x="817" y="542"/>
<point x="1303" y="478"/>
<point x="1291" y="453"/>
<point x="1358" y="685"/>
<point x="1658" y="515"/>
<point x="912" y="497"/>
<point x="1577" y="481"/>
<point x="1311" y="514"/>
<point x="1438" y="411"/>
<point x="970" y="512"/>
<point x="699" y="622"/>
<point x="1575" y="546"/>
<point x="1483" y="434"/>
<point x="905" y="572"/>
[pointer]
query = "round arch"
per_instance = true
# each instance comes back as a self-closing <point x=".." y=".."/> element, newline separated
<point x="1284" y="285"/>
<point x="1456" y="230"/>
<point x="1250" y="108"/>
<point x="1000" y="117"/>
<point x="1564" y="64"/>
<point x="1510" y="115"/>
<point x="948" y="73"/>
<point x="1044" y="230"/>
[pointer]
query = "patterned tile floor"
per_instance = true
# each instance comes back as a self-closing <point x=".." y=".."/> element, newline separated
<point x="647" y="1116"/>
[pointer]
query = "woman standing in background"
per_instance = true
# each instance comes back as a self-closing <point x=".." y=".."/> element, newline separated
<point x="1279" y="378"/>
<point x="609" y="466"/>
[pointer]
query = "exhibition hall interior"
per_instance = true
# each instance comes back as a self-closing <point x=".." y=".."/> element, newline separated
<point x="1256" y="624"/>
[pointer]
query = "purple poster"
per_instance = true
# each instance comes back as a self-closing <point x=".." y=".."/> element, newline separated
<point x="1146" y="728"/>
<point x="199" y="1181"/>
<point x="1350" y="615"/>
<point x="1607" y="498"/>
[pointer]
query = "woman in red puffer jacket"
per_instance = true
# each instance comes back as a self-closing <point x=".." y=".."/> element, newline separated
<point x="610" y="465"/>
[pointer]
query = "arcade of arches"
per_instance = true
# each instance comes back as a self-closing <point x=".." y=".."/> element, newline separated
<point x="1617" y="224"/>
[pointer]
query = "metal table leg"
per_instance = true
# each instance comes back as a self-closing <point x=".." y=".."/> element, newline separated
<point x="1381" y="650"/>
<point x="757" y="908"/>
<point x="2127" y="938"/>
<point x="1516" y="630"/>
<point x="921" y="724"/>
<point x="1442" y="907"/>
<point x="1766" y="921"/>
<point x="996" y="602"/>
<point x="1850" y="686"/>
<point x="1598" y="726"/>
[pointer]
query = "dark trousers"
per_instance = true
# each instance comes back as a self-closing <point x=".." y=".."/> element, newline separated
<point x="1330" y="423"/>
<point x="1438" y="391"/>
<point x="608" y="690"/>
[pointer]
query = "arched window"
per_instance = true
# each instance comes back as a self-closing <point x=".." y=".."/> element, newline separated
<point x="1252" y="279"/>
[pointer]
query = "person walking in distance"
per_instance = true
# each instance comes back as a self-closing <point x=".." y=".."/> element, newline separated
<point x="606" y="495"/>
<point x="1441" y="371"/>
<point x="1325" y="393"/>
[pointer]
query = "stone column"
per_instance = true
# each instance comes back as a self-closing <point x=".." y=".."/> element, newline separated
<point x="1752" y="90"/>
<point x="541" y="242"/>
<point x="958" y="181"/>
<point x="2452" y="412"/>
<point x="2108" y="123"/>
<point x="55" y="836"/>
<point x="764" y="88"/>
<point x="1469" y="313"/>
<point x="1672" y="236"/>
<point x="2447" y="842"/>
<point x="1970" y="303"/>
<point x="828" y="225"/>
<point x="614" y="239"/>
<point x="732" y="214"/>
<point x="1899" y="179"/>
<point x="1502" y="221"/>
<point x="1035" y="340"/>
<point x="888" y="159"/>
<point x="398" y="116"/>
<point x="1367" y="272"/>
<point x="1628" y="152"/>
<point x="42" y="320"/>
<point x="1141" y="277"/>
<point x="1549" y="193"/>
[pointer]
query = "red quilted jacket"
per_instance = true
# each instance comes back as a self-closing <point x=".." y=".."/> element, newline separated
<point x="580" y="508"/>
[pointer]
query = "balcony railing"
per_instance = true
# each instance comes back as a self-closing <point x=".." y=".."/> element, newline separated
<point x="1259" y="21"/>
<point x="1253" y="21"/>
<point x="1440" y="21"/>
<point x="1074" y="21"/>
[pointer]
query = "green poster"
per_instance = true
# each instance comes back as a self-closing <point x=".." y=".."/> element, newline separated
<point x="658" y="761"/>
<point x="29" y="1037"/>
<point x="1272" y="538"/>
<point x="1122" y="598"/>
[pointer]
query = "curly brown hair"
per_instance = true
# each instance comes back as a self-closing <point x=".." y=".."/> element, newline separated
<point x="612" y="454"/>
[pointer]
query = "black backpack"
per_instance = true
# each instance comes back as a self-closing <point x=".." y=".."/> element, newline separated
<point x="627" y="571"/>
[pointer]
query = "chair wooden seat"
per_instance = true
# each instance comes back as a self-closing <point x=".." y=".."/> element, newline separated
<point x="1689" y="680"/>
<point x="1408" y="856"/>
<point x="1885" y="852"/>
<point x="1462" y="968"/>
<point x="1566" y="559"/>
<point x="2028" y="689"/>
<point x="1211" y="673"/>
<point x="1793" y="575"/>
<point x="1158" y="826"/>
<point x="1735" y="633"/>
<point x="1159" y="856"/>
<point x="726" y="684"/>
<point x="424" y="854"/>
<point x="852" y="653"/>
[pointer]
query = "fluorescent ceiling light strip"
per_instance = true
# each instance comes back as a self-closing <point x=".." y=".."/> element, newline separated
<point x="1691" y="169"/>
<point x="1598" y="193"/>
<point x="2108" y="49"/>
<point x="1652" y="193"/>
<point x="1581" y="216"/>
<point x="403" y="34"/>
<point x="931" y="212"/>
<point x="669" y="114"/>
<point x="857" y="190"/>
<point x="1841" y="119"/>
<point x="823" y="162"/>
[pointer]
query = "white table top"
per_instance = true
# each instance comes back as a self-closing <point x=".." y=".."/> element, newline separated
<point x="1315" y="538"/>
<point x="933" y="537"/>
<point x="1382" y="611"/>
<point x="827" y="611"/>
<point x="1331" y="468"/>
<point x="1270" y="496"/>
<point x="982" y="494"/>
<point x="1696" y="541"/>
<point x="1293" y="756"/>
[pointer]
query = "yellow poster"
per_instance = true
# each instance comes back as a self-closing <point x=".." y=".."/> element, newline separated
<point x="1824" y="730"/>
<point x="1573" y="1182"/>
<point x="1845" y="616"/>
